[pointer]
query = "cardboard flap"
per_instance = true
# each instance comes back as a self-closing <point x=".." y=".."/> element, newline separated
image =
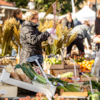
<point x="5" y="75"/>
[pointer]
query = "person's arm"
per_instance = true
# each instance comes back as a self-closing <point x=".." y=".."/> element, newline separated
<point x="88" y="36"/>
<point x="31" y="37"/>
<point x="72" y="24"/>
<point x="64" y="23"/>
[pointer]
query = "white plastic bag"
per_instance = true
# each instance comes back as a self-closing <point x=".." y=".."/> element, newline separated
<point x="95" y="71"/>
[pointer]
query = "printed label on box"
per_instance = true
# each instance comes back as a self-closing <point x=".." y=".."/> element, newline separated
<point x="3" y="91"/>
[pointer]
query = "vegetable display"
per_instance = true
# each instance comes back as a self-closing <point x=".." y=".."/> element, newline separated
<point x="64" y="85"/>
<point x="29" y="71"/>
<point x="68" y="74"/>
<point x="95" y="85"/>
<point x="53" y="61"/>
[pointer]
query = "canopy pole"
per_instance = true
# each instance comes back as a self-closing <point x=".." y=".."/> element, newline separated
<point x="73" y="7"/>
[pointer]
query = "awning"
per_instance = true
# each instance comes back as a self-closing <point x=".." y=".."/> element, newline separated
<point x="13" y="8"/>
<point x="2" y="15"/>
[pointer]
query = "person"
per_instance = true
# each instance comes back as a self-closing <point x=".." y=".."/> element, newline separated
<point x="67" y="21"/>
<point x="77" y="22"/>
<point x="83" y="31"/>
<point x="17" y="14"/>
<point x="97" y="27"/>
<point x="87" y="23"/>
<point x="31" y="37"/>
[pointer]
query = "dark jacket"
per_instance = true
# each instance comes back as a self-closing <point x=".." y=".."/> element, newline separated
<point x="76" y="22"/>
<point x="67" y="23"/>
<point x="31" y="38"/>
<point x="97" y="26"/>
<point x="20" y="20"/>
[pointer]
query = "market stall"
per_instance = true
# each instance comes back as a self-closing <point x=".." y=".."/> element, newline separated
<point x="67" y="76"/>
<point x="85" y="14"/>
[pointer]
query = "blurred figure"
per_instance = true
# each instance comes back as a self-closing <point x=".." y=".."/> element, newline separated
<point x="93" y="28"/>
<point x="77" y="22"/>
<point x="67" y="21"/>
<point x="97" y="27"/>
<point x="87" y="23"/>
<point x="83" y="32"/>
<point x="17" y="14"/>
<point x="97" y="23"/>
<point x="31" y="38"/>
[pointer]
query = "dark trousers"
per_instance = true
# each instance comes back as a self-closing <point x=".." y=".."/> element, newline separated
<point x="79" y="43"/>
<point x="98" y="46"/>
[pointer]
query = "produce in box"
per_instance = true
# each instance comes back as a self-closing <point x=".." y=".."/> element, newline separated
<point x="64" y="85"/>
<point x="68" y="74"/>
<point x="53" y="61"/>
<point x="86" y="65"/>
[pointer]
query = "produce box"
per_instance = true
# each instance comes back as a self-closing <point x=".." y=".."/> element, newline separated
<point x="8" y="90"/>
<point x="72" y="66"/>
<point x="5" y="77"/>
<point x="57" y="72"/>
<point x="74" y="95"/>
<point x="84" y="79"/>
<point x="57" y="66"/>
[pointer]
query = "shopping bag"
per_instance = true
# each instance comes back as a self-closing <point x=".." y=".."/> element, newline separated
<point x="95" y="71"/>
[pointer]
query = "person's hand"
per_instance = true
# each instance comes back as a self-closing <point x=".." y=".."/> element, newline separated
<point x="90" y="47"/>
<point x="50" y="40"/>
<point x="51" y="31"/>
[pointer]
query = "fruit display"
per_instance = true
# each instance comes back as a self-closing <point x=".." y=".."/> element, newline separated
<point x="86" y="65"/>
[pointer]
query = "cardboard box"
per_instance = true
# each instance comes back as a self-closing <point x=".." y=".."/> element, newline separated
<point x="57" y="66"/>
<point x="72" y="66"/>
<point x="5" y="77"/>
<point x="57" y="72"/>
<point x="8" y="90"/>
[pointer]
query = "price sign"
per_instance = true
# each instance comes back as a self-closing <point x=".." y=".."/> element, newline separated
<point x="3" y="91"/>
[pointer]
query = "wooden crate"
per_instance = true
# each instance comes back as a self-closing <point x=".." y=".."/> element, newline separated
<point x="84" y="79"/>
<point x="57" y="66"/>
<point x="74" y="95"/>
<point x="71" y="67"/>
<point x="56" y="72"/>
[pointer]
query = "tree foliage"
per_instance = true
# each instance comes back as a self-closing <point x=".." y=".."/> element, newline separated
<point x="19" y="3"/>
<point x="43" y="5"/>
